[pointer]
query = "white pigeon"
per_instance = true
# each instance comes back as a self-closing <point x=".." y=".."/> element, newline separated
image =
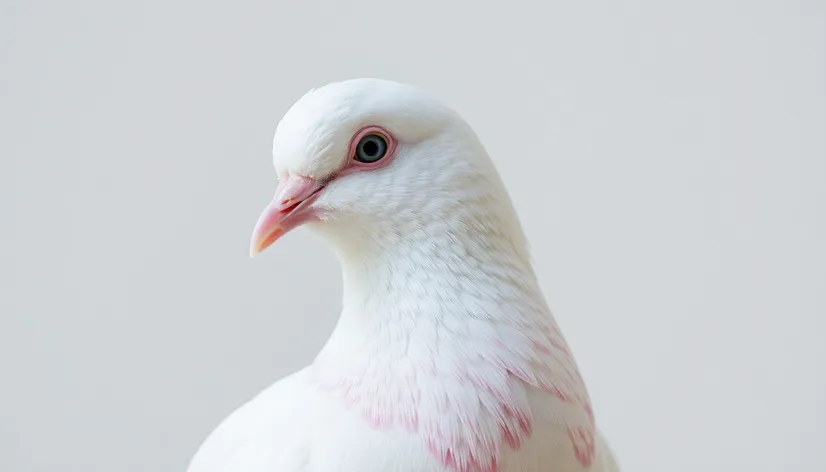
<point x="446" y="357"/>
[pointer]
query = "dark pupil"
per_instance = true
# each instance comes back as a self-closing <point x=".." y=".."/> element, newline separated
<point x="370" y="148"/>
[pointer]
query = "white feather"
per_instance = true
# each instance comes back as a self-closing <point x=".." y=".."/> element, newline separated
<point x="444" y="339"/>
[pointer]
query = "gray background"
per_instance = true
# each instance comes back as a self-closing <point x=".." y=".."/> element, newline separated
<point x="668" y="160"/>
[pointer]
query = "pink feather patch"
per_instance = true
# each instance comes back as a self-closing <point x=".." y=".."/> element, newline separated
<point x="467" y="409"/>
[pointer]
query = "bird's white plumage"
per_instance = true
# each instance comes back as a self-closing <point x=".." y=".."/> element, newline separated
<point x="446" y="356"/>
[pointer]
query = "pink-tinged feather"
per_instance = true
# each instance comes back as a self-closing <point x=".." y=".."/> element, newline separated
<point x="492" y="380"/>
<point x="584" y="444"/>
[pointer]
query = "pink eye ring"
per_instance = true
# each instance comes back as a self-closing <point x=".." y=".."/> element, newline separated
<point x="371" y="147"/>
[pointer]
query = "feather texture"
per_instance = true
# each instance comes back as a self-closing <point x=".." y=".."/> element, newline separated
<point x="446" y="356"/>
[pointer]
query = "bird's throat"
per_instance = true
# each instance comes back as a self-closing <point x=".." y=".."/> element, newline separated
<point x="427" y="289"/>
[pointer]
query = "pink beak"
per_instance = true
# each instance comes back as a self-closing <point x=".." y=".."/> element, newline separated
<point x="289" y="209"/>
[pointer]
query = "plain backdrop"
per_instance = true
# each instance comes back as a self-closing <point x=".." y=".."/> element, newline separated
<point x="668" y="160"/>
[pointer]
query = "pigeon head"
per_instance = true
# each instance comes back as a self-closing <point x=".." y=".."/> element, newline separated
<point x="366" y="162"/>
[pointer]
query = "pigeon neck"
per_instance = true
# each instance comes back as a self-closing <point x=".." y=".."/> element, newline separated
<point x="437" y="267"/>
<point x="408" y="283"/>
<point x="442" y="312"/>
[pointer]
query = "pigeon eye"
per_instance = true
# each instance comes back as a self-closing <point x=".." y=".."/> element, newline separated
<point x="371" y="148"/>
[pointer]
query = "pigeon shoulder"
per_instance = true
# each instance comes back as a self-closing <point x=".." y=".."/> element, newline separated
<point x="272" y="431"/>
